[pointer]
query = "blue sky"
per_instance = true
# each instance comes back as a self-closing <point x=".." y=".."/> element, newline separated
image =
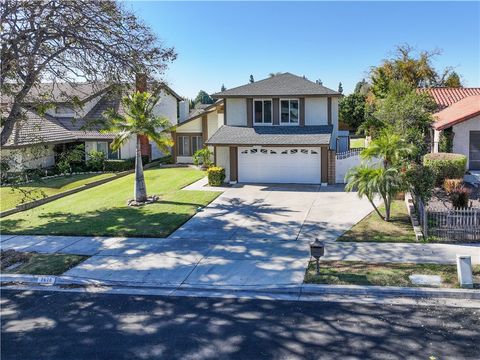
<point x="225" y="42"/>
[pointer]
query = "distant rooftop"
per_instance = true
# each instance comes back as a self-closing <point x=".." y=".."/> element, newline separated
<point x="445" y="96"/>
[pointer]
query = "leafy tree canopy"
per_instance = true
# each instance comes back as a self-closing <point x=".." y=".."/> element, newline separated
<point x="66" y="41"/>
<point x="352" y="110"/>
<point x="203" y="98"/>
<point x="453" y="80"/>
<point x="414" y="68"/>
<point x="251" y="80"/>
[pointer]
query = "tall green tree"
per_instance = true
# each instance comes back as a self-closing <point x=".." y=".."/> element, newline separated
<point x="351" y="110"/>
<point x="272" y="74"/>
<point x="203" y="98"/>
<point x="139" y="119"/>
<point x="453" y="80"/>
<point x="70" y="41"/>
<point x="406" y="112"/>
<point x="362" y="87"/>
<point x="223" y="88"/>
<point x="340" y="88"/>
<point x="409" y="66"/>
<point x="251" y="80"/>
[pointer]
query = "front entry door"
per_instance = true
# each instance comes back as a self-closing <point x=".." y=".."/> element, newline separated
<point x="474" y="149"/>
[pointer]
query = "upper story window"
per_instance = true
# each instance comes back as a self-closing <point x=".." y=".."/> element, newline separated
<point x="289" y="111"/>
<point x="262" y="112"/>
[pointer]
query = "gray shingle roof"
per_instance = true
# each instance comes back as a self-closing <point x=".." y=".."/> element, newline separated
<point x="272" y="135"/>
<point x="285" y="84"/>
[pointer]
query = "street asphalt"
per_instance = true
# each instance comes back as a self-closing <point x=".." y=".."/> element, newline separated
<point x="65" y="325"/>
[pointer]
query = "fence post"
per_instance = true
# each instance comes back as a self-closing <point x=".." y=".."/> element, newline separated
<point x="425" y="221"/>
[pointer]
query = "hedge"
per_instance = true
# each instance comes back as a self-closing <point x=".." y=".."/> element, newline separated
<point x="446" y="166"/>
<point x="119" y="165"/>
<point x="216" y="176"/>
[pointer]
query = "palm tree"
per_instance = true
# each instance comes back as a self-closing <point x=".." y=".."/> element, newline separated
<point x="139" y="119"/>
<point x="371" y="182"/>
<point x="391" y="147"/>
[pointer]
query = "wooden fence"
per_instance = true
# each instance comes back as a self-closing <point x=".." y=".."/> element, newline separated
<point x="453" y="225"/>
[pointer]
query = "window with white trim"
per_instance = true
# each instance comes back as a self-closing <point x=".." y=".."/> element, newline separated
<point x="262" y="112"/>
<point x="196" y="144"/>
<point x="289" y="113"/>
<point x="184" y="145"/>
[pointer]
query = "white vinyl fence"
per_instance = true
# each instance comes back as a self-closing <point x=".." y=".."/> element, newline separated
<point x="344" y="161"/>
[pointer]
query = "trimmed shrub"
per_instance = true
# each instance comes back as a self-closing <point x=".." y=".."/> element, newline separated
<point x="445" y="166"/>
<point x="166" y="160"/>
<point x="216" y="176"/>
<point x="459" y="197"/>
<point x="421" y="180"/>
<point x="119" y="165"/>
<point x="96" y="160"/>
<point x="450" y="185"/>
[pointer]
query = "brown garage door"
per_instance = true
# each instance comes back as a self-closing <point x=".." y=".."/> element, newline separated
<point x="474" y="159"/>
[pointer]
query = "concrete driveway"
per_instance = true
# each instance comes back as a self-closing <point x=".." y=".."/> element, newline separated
<point x="251" y="235"/>
<point x="277" y="212"/>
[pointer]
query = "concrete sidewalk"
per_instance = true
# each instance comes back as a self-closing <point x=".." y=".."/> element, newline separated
<point x="202" y="262"/>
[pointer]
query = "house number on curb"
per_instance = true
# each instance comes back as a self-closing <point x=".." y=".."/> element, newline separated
<point x="46" y="280"/>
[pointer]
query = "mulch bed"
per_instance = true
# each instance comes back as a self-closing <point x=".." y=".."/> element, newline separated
<point x="440" y="199"/>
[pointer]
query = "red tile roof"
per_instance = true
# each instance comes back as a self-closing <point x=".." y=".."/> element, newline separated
<point x="460" y="111"/>
<point x="445" y="96"/>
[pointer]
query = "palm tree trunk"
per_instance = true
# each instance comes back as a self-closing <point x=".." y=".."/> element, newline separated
<point x="388" y="203"/>
<point x="140" y="191"/>
<point x="375" y="207"/>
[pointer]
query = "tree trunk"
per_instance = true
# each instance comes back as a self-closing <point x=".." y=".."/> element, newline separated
<point x="375" y="207"/>
<point x="140" y="191"/>
<point x="388" y="203"/>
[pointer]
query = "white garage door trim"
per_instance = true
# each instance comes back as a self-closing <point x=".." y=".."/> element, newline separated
<point x="283" y="165"/>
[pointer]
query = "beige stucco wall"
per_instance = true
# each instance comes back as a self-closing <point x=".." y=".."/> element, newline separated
<point x="237" y="112"/>
<point x="191" y="126"/>
<point x="223" y="160"/>
<point x="40" y="156"/>
<point x="461" y="137"/>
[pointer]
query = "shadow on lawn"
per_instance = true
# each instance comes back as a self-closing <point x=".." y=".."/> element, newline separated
<point x="125" y="221"/>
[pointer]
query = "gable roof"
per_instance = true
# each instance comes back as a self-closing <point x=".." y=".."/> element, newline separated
<point x="285" y="84"/>
<point x="444" y="96"/>
<point x="460" y="111"/>
<point x="199" y="112"/>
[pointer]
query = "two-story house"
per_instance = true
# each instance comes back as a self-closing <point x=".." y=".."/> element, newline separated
<point x="282" y="129"/>
<point x="39" y="136"/>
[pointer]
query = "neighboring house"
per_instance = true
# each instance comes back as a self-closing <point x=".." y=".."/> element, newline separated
<point x="282" y="129"/>
<point x="459" y="112"/>
<point x="39" y="137"/>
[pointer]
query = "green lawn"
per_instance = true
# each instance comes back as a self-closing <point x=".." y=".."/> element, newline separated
<point x="13" y="196"/>
<point x="102" y="210"/>
<point x="357" y="143"/>
<point x="47" y="264"/>
<point x="373" y="228"/>
<point x="391" y="274"/>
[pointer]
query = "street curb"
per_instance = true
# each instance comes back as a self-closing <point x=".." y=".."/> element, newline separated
<point x="301" y="290"/>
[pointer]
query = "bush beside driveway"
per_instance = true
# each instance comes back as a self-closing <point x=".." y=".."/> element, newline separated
<point x="103" y="210"/>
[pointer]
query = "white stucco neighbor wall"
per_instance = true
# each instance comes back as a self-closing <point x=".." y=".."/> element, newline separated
<point x="236" y="112"/>
<point x="316" y="111"/>
<point x="36" y="157"/>
<point x="128" y="149"/>
<point x="223" y="160"/>
<point x="167" y="107"/>
<point x="461" y="137"/>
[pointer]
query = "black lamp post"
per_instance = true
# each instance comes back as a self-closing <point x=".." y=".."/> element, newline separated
<point x="317" y="250"/>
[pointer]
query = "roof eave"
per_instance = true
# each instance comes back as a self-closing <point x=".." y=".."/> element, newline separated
<point x="454" y="122"/>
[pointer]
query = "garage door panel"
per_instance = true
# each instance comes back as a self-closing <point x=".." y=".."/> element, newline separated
<point x="279" y="165"/>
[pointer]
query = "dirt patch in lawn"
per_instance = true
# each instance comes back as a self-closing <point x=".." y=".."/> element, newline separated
<point x="374" y="229"/>
<point x="379" y="274"/>
<point x="14" y="262"/>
